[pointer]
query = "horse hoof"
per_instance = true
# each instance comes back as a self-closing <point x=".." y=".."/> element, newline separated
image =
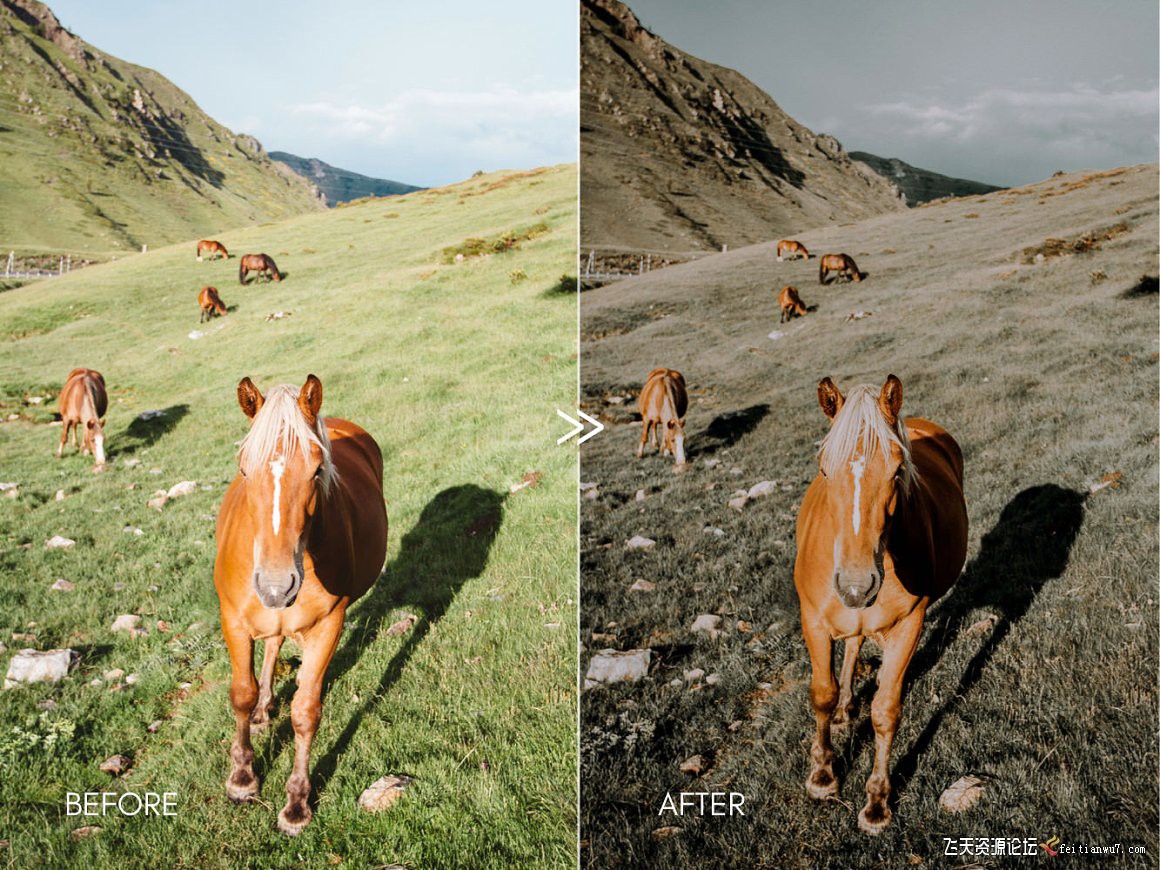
<point x="293" y="819"/>
<point x="821" y="785"/>
<point x="874" y="818"/>
<point x="243" y="792"/>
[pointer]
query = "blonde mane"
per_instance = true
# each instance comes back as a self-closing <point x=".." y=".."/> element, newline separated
<point x="280" y="420"/>
<point x="861" y="423"/>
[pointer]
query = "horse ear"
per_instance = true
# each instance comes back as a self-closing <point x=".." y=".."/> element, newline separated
<point x="830" y="398"/>
<point x="310" y="398"/>
<point x="890" y="399"/>
<point x="249" y="398"/>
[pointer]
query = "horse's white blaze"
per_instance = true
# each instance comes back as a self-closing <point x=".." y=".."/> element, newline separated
<point x="857" y="468"/>
<point x="99" y="448"/>
<point x="277" y="468"/>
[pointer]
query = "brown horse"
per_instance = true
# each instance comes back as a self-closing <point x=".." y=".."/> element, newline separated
<point x="210" y="303"/>
<point x="663" y="403"/>
<point x="793" y="250"/>
<point x="843" y="264"/>
<point x="302" y="532"/>
<point x="212" y="248"/>
<point x="881" y="534"/>
<point x="791" y="304"/>
<point x="263" y="264"/>
<point x="82" y="403"/>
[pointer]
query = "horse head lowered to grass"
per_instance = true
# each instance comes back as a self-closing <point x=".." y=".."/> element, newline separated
<point x="882" y="533"/>
<point x="302" y="532"/>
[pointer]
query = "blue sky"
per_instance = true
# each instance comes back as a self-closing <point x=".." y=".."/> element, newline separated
<point x="1002" y="91"/>
<point x="423" y="93"/>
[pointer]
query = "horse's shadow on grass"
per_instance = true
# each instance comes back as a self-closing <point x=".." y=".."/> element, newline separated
<point x="727" y="429"/>
<point x="448" y="546"/>
<point x="142" y="433"/>
<point x="1029" y="545"/>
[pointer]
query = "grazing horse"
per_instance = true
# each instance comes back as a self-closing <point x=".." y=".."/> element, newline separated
<point x="263" y="264"/>
<point x="843" y="264"/>
<point x="791" y="304"/>
<point x="882" y="533"/>
<point x="302" y="532"/>
<point x="210" y="303"/>
<point x="663" y="403"/>
<point x="82" y="403"/>
<point x="212" y="248"/>
<point x="790" y="248"/>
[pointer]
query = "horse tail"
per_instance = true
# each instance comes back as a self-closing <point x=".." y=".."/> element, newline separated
<point x="242" y="271"/>
<point x="822" y="271"/>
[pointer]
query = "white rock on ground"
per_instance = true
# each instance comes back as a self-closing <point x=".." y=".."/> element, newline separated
<point x="59" y="542"/>
<point x="640" y="495"/>
<point x="116" y="764"/>
<point x="186" y="487"/>
<point x="33" y="666"/>
<point x="125" y="622"/>
<point x="616" y="666"/>
<point x="693" y="674"/>
<point x="694" y="764"/>
<point x="738" y="502"/>
<point x="765" y="487"/>
<point x="383" y="792"/>
<point x="709" y="623"/>
<point x="62" y="585"/>
<point x="639" y="542"/>
<point x="963" y="794"/>
<point x="84" y="832"/>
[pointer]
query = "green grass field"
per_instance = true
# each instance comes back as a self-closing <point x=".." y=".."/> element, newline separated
<point x="456" y="369"/>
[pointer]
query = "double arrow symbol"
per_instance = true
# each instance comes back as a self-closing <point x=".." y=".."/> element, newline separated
<point x="579" y="427"/>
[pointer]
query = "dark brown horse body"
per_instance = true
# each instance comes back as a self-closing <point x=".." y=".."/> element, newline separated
<point x="301" y="533"/>
<point x="791" y="304"/>
<point x="212" y="249"/>
<point x="843" y="264"/>
<point x="263" y="264"/>
<point x="82" y="404"/>
<point x="211" y="304"/>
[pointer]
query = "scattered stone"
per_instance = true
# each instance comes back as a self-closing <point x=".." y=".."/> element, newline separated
<point x="195" y="627"/>
<point x="584" y="487"/>
<point x="33" y="666"/>
<point x="766" y="487"/>
<point x="615" y="666"/>
<point x="858" y="315"/>
<point x="643" y="586"/>
<point x="196" y="334"/>
<point x="132" y="679"/>
<point x="58" y="542"/>
<point x="592" y="493"/>
<point x="47" y="704"/>
<point x="676" y="683"/>
<point x="118" y="587"/>
<point x="694" y="764"/>
<point x="138" y="632"/>
<point x="84" y="832"/>
<point x="712" y="679"/>
<point x="714" y="531"/>
<point x="9" y="487"/>
<point x="163" y="626"/>
<point x="116" y="764"/>
<point x="125" y="622"/>
<point x="96" y="682"/>
<point x="735" y="725"/>
<point x="59" y="495"/>
<point x="158" y="501"/>
<point x="62" y="585"/>
<point x="403" y="625"/>
<point x="983" y="625"/>
<point x="640" y="495"/>
<point x="711" y="463"/>
<point x="639" y="542"/>
<point x="665" y="833"/>
<point x="616" y="400"/>
<point x="134" y="530"/>
<point x="155" y="726"/>
<point x="963" y="794"/>
<point x="603" y="637"/>
<point x="113" y="674"/>
<point x="383" y="792"/>
<point x="709" y="623"/>
<point x="186" y="487"/>
<point x="738" y="502"/>
<point x="775" y="335"/>
<point x="529" y="480"/>
<point x="693" y="674"/>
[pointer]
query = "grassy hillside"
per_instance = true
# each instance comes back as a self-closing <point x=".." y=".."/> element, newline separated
<point x="99" y="156"/>
<point x="921" y="185"/>
<point x="1018" y="321"/>
<point x="340" y="185"/>
<point x="456" y="369"/>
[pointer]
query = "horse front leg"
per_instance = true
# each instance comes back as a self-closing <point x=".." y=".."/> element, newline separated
<point x="242" y="784"/>
<point x="885" y="711"/>
<point x="64" y="427"/>
<point x="846" y="682"/>
<point x="305" y="713"/>
<point x="645" y="425"/>
<point x="260" y="715"/>
<point x="821" y="782"/>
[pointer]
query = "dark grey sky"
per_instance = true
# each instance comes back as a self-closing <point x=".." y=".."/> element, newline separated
<point x="1002" y="92"/>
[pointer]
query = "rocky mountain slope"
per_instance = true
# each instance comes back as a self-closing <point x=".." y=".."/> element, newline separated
<point x="921" y="185"/>
<point x="678" y="154"/>
<point x="340" y="185"/>
<point x="98" y="155"/>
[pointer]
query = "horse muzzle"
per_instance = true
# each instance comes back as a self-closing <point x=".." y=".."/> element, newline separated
<point x="857" y="590"/>
<point x="277" y="594"/>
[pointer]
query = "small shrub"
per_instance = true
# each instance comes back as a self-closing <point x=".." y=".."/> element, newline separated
<point x="517" y="275"/>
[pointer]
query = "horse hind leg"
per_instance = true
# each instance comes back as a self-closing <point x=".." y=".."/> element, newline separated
<point x="260" y="715"/>
<point x="846" y="683"/>
<point x="885" y="711"/>
<point x="644" y="427"/>
<point x="305" y="714"/>
<point x="64" y="427"/>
